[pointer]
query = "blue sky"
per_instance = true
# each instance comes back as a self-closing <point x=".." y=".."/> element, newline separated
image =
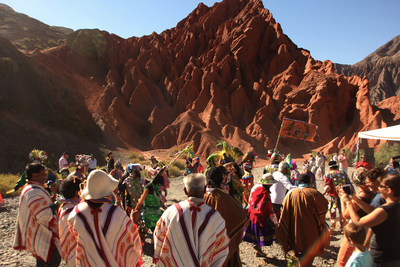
<point x="341" y="31"/>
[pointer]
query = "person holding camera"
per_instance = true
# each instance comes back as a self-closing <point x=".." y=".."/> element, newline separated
<point x="393" y="167"/>
<point x="365" y="195"/>
<point x="384" y="222"/>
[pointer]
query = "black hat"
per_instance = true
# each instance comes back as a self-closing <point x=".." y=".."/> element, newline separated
<point x="332" y="164"/>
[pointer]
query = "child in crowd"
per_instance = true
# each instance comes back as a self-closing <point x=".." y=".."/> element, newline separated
<point x="355" y="235"/>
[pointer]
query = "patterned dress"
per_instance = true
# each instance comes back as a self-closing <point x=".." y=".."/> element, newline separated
<point x="152" y="208"/>
<point x="134" y="189"/>
<point x="262" y="218"/>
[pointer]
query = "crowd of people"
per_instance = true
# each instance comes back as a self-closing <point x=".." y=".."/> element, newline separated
<point x="93" y="216"/>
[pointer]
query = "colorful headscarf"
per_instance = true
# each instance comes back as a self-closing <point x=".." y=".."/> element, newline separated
<point x="37" y="154"/>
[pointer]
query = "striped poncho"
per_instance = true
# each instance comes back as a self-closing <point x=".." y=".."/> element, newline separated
<point x="105" y="236"/>
<point x="190" y="233"/>
<point x="67" y="240"/>
<point x="37" y="229"/>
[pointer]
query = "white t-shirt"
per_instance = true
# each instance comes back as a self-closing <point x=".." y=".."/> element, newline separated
<point x="278" y="190"/>
<point x="319" y="161"/>
<point x="62" y="163"/>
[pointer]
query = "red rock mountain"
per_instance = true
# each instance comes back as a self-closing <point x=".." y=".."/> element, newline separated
<point x="224" y="72"/>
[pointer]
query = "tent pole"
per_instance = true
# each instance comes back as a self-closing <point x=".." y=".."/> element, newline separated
<point x="279" y="135"/>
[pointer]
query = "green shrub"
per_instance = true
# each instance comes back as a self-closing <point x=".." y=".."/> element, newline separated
<point x="183" y="155"/>
<point x="174" y="171"/>
<point x="385" y="152"/>
<point x="133" y="155"/>
<point x="7" y="182"/>
<point x="52" y="43"/>
<point x="173" y="152"/>
<point x="179" y="164"/>
<point x="135" y="158"/>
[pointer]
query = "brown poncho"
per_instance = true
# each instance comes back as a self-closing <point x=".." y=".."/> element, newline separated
<point x="302" y="217"/>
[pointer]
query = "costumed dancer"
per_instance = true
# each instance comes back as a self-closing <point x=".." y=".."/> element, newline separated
<point x="247" y="180"/>
<point x="133" y="190"/>
<point x="37" y="156"/>
<point x="236" y="189"/>
<point x="197" y="165"/>
<point x="307" y="170"/>
<point x="119" y="175"/>
<point x="151" y="202"/>
<point x="189" y="166"/>
<point x="331" y="180"/>
<point x="154" y="163"/>
<point x="275" y="159"/>
<point x="162" y="171"/>
<point x="132" y="187"/>
<point x="263" y="220"/>
<point x="249" y="157"/>
<point x="81" y="167"/>
<point x="294" y="174"/>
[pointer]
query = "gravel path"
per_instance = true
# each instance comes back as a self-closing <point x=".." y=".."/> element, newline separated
<point x="276" y="257"/>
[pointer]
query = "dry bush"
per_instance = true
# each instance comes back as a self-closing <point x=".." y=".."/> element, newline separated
<point x="7" y="182"/>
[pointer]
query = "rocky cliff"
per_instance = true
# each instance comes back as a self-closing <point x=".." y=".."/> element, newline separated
<point x="228" y="72"/>
<point x="224" y="72"/>
<point x="382" y="69"/>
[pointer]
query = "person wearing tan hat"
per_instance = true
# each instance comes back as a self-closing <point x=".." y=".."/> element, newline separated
<point x="102" y="230"/>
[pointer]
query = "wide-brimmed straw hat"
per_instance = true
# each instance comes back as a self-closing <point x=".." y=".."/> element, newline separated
<point x="267" y="179"/>
<point x="99" y="184"/>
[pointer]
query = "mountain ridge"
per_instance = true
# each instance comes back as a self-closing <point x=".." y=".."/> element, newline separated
<point x="382" y="68"/>
<point x="27" y="33"/>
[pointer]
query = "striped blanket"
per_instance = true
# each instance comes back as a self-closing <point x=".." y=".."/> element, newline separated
<point x="105" y="236"/>
<point x="37" y="229"/>
<point x="190" y="233"/>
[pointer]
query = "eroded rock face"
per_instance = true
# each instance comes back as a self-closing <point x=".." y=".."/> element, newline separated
<point x="382" y="68"/>
<point x="224" y="72"/>
<point x="227" y="72"/>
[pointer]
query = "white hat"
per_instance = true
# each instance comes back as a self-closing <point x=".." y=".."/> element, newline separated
<point x="268" y="179"/>
<point x="99" y="184"/>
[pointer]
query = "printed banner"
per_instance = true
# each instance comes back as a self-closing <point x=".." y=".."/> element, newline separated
<point x="298" y="130"/>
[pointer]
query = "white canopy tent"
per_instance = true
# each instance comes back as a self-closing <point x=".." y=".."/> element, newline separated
<point x="389" y="133"/>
